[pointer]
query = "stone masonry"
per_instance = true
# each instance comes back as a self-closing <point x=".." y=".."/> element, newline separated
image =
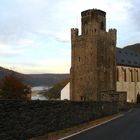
<point x="93" y="66"/>
<point x="22" y="120"/>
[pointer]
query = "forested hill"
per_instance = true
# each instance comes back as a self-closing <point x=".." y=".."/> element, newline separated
<point x="46" y="79"/>
<point x="134" y="47"/>
<point x="50" y="79"/>
<point x="35" y="79"/>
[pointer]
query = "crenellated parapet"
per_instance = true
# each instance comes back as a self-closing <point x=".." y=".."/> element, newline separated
<point x="113" y="33"/>
<point x="93" y="57"/>
<point x="74" y="33"/>
<point x="90" y="12"/>
<point x="93" y="21"/>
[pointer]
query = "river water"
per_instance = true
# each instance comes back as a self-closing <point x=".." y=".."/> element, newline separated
<point x="36" y="95"/>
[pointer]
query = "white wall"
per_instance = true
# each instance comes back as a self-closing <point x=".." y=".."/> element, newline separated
<point x="132" y="87"/>
<point x="65" y="92"/>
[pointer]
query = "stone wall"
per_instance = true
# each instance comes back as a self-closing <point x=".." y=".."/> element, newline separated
<point x="122" y="104"/>
<point x="20" y="120"/>
<point x="109" y="96"/>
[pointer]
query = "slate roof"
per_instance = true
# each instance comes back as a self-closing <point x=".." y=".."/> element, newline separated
<point x="128" y="57"/>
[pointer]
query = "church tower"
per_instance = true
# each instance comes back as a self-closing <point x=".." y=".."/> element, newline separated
<point x="93" y="58"/>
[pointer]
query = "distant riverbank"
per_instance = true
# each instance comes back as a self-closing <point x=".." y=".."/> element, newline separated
<point x="36" y="93"/>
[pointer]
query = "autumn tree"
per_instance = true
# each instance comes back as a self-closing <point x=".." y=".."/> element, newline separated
<point x="13" y="88"/>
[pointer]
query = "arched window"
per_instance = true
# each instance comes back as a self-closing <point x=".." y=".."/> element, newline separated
<point x="117" y="74"/>
<point x="131" y="74"/>
<point x="125" y="79"/>
<point x="137" y="76"/>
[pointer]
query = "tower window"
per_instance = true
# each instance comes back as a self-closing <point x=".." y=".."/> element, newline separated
<point x="102" y="25"/>
<point x="117" y="74"/>
<point x="79" y="59"/>
<point x="83" y="98"/>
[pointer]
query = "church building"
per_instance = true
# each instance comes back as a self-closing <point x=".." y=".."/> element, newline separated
<point x="128" y="73"/>
<point x="99" y="70"/>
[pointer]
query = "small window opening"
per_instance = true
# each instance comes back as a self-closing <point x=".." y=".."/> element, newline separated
<point x="102" y="25"/>
<point x="79" y="59"/>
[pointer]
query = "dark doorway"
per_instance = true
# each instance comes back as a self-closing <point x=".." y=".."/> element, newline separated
<point x="138" y="98"/>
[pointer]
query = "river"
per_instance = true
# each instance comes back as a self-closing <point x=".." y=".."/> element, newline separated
<point x="36" y="95"/>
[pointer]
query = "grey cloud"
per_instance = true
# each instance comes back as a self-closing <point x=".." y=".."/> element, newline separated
<point x="18" y="18"/>
<point x="9" y="55"/>
<point x="53" y="36"/>
<point x="30" y="64"/>
<point x="61" y="40"/>
<point x="134" y="14"/>
<point x="23" y="18"/>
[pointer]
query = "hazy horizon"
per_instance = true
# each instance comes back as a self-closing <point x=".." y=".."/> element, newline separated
<point x="35" y="34"/>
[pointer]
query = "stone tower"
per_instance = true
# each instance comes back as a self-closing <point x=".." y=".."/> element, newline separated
<point x="93" y="62"/>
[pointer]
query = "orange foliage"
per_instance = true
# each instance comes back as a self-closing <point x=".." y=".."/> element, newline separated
<point x="13" y="88"/>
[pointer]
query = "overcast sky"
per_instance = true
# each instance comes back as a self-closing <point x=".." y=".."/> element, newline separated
<point x="35" y="34"/>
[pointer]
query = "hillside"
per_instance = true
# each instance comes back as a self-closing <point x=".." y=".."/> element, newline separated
<point x="50" y="79"/>
<point x="35" y="79"/>
<point x="46" y="79"/>
<point x="4" y="72"/>
<point x="54" y="92"/>
<point x="134" y="47"/>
